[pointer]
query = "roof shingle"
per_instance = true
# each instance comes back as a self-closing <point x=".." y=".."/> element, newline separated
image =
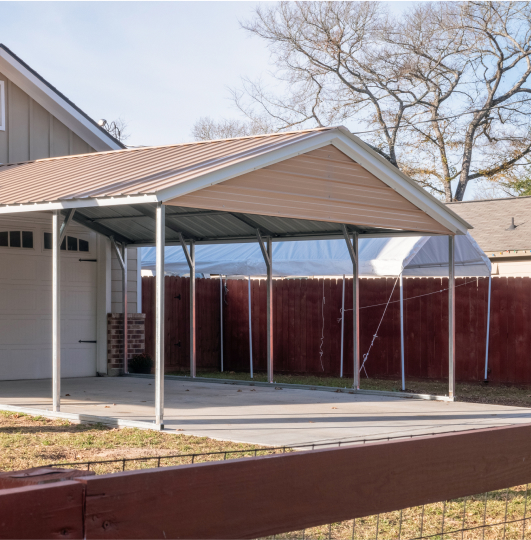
<point x="491" y="220"/>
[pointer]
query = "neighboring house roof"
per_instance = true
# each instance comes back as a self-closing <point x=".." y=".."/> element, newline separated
<point x="148" y="175"/>
<point x="492" y="220"/>
<point x="55" y="102"/>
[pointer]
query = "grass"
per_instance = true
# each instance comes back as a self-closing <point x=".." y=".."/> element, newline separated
<point x="496" y="394"/>
<point x="31" y="441"/>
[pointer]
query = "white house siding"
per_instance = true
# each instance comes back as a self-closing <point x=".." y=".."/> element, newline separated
<point x="32" y="132"/>
<point x="134" y="291"/>
<point x="511" y="268"/>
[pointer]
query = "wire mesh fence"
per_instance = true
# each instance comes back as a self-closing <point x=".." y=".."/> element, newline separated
<point x="150" y="462"/>
<point x="496" y="515"/>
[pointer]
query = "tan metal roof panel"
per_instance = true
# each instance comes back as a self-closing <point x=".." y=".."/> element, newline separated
<point x="136" y="171"/>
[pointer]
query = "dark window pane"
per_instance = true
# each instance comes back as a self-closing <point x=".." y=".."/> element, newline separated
<point x="72" y="243"/>
<point x="4" y="238"/>
<point x="14" y="238"/>
<point x="83" y="245"/>
<point x="47" y="240"/>
<point x="27" y="239"/>
<point x="63" y="244"/>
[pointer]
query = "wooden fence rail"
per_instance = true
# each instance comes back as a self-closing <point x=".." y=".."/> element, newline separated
<point x="255" y="497"/>
<point x="305" y="309"/>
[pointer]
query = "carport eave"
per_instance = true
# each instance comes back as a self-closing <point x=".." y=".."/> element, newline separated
<point x="146" y="210"/>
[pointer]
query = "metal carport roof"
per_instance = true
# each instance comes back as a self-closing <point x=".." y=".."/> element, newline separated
<point x="115" y="193"/>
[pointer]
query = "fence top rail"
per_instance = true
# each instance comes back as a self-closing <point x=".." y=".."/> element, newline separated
<point x="297" y="490"/>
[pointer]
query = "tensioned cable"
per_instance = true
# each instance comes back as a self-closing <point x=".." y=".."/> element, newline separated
<point x="366" y="355"/>
<point x="321" y="352"/>
<point x="410" y="298"/>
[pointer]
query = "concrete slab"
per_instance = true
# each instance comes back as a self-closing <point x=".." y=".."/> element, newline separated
<point x="262" y="415"/>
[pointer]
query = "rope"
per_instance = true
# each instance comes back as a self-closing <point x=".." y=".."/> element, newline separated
<point x="410" y="298"/>
<point x="366" y="355"/>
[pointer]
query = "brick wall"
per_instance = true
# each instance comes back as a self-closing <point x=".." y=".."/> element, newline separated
<point x="115" y="344"/>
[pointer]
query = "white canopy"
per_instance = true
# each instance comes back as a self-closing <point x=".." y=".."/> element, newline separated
<point x="415" y="255"/>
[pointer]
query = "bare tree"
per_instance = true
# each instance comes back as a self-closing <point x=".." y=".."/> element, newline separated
<point x="117" y="128"/>
<point x="442" y="91"/>
<point x="207" y="129"/>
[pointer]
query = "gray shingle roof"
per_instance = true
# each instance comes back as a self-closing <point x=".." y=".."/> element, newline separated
<point x="492" y="218"/>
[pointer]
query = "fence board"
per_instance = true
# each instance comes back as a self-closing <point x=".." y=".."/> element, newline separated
<point x="42" y="511"/>
<point x="257" y="497"/>
<point x="298" y="308"/>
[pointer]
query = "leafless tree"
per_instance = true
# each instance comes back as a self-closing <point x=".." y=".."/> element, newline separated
<point x="442" y="91"/>
<point x="117" y="128"/>
<point x="207" y="129"/>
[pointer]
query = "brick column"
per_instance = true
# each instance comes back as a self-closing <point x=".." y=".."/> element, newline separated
<point x="136" y="323"/>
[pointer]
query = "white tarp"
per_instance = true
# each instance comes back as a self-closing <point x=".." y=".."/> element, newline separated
<point x="418" y="256"/>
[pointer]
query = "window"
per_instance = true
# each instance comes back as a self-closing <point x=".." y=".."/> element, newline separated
<point x="16" y="239"/>
<point x="70" y="243"/>
<point x="2" y="107"/>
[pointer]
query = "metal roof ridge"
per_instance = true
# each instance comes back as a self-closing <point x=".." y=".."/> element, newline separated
<point x="174" y="145"/>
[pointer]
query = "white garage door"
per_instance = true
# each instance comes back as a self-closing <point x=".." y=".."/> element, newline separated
<point x="26" y="301"/>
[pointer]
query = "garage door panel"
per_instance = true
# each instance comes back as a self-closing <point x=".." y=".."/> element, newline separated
<point x="75" y="329"/>
<point x="25" y="363"/>
<point x="75" y="271"/>
<point x="76" y="301"/>
<point x="20" y="268"/>
<point x="26" y="308"/>
<point x="15" y="331"/>
<point x="78" y="361"/>
<point x="17" y="299"/>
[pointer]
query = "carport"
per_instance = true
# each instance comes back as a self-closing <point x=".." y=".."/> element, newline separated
<point x="305" y="185"/>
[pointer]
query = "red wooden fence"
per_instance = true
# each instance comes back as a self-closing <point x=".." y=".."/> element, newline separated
<point x="263" y="496"/>
<point x="305" y="309"/>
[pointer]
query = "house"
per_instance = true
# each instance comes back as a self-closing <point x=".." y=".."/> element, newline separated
<point x="502" y="228"/>
<point x="37" y="122"/>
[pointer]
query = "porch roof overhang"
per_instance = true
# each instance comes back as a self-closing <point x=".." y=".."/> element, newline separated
<point x="115" y="193"/>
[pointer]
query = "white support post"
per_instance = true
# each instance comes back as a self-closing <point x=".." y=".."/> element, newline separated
<point x="451" y="316"/>
<point x="268" y="258"/>
<point x="356" y="310"/>
<point x="190" y="259"/>
<point x="488" y="332"/>
<point x="342" y="327"/>
<point x="124" y="308"/>
<point x="159" y="315"/>
<point x="221" y="317"/>
<point x="250" y="330"/>
<point x="402" y="355"/>
<point x="353" y="251"/>
<point x="56" y="312"/>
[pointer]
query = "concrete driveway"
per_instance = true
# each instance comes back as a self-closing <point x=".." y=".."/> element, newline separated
<point x="261" y="415"/>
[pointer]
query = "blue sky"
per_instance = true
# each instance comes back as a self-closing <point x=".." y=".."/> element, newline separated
<point x="158" y="65"/>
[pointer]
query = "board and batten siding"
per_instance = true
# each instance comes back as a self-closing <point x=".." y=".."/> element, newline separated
<point x="321" y="185"/>
<point x="134" y="284"/>
<point x="31" y="132"/>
